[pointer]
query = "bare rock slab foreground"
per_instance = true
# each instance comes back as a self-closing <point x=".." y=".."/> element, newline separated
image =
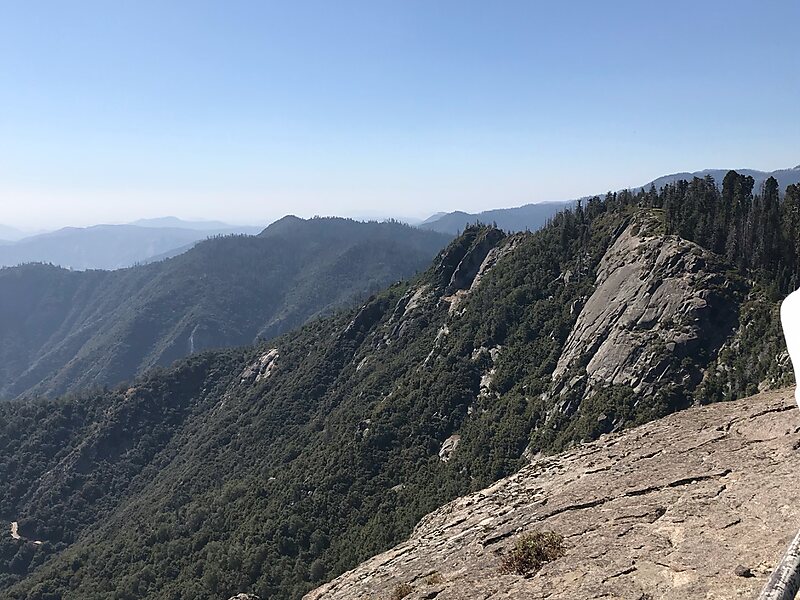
<point x="700" y="504"/>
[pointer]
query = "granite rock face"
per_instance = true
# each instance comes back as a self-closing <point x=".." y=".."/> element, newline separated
<point x="700" y="504"/>
<point x="658" y="300"/>
<point x="470" y="264"/>
<point x="263" y="367"/>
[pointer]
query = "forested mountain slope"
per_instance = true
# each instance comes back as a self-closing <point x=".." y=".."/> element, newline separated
<point x="63" y="330"/>
<point x="272" y="469"/>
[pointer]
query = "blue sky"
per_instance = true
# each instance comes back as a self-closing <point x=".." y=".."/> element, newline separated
<point x="245" y="111"/>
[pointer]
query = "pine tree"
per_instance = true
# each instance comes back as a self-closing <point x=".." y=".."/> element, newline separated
<point x="790" y="234"/>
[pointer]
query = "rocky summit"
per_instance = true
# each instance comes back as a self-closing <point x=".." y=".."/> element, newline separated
<point x="657" y="300"/>
<point x="700" y="504"/>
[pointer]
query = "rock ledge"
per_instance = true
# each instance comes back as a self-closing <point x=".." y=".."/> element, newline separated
<point x="700" y="504"/>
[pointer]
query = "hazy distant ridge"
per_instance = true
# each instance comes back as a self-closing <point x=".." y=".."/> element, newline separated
<point x="113" y="246"/>
<point x="534" y="216"/>
<point x="62" y="330"/>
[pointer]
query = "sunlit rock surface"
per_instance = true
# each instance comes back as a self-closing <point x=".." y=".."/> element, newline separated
<point x="700" y="504"/>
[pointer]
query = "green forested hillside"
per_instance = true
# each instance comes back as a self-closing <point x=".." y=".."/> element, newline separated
<point x="270" y="469"/>
<point x="63" y="330"/>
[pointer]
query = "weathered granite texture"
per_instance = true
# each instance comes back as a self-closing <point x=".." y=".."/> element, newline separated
<point x="658" y="300"/>
<point x="700" y="504"/>
<point x="470" y="264"/>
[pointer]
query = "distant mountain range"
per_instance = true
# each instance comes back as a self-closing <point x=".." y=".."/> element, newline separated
<point x="153" y="239"/>
<point x="528" y="217"/>
<point x="61" y="330"/>
<point x="271" y="469"/>
<point x="785" y="177"/>
<point x="10" y="234"/>
<point x="113" y="246"/>
<point x="175" y="222"/>
<point x="534" y="216"/>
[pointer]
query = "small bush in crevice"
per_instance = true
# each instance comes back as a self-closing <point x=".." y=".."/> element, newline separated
<point x="531" y="551"/>
<point x="401" y="591"/>
<point x="434" y="578"/>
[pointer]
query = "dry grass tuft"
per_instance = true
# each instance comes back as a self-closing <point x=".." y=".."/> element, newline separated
<point x="401" y="591"/>
<point x="531" y="551"/>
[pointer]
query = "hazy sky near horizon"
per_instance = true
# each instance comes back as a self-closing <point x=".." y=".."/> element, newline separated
<point x="247" y="110"/>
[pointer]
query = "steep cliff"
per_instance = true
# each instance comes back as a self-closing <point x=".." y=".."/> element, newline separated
<point x="700" y="504"/>
<point x="660" y="310"/>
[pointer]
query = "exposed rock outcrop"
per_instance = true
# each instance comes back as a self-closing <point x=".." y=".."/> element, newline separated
<point x="658" y="300"/>
<point x="15" y="534"/>
<point x="469" y="266"/>
<point x="410" y="307"/>
<point x="700" y="504"/>
<point x="459" y="264"/>
<point x="484" y="254"/>
<point x="493" y="256"/>
<point x="448" y="447"/>
<point x="263" y="367"/>
<point x="369" y="314"/>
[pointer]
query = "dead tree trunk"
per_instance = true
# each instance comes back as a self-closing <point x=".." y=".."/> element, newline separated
<point x="785" y="580"/>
